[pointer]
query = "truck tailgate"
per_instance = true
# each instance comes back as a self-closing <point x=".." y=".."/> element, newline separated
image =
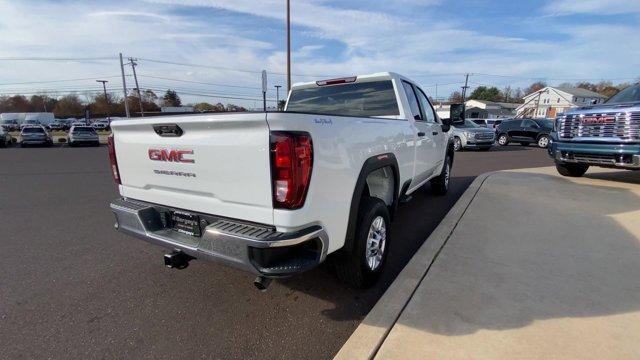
<point x="224" y="168"/>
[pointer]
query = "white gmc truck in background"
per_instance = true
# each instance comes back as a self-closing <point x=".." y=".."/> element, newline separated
<point x="276" y="193"/>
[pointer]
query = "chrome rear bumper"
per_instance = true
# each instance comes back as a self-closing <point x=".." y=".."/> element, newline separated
<point x="255" y="248"/>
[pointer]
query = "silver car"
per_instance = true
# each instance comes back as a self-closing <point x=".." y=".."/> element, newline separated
<point x="470" y="135"/>
<point x="5" y="138"/>
<point x="83" y="135"/>
<point x="35" y="135"/>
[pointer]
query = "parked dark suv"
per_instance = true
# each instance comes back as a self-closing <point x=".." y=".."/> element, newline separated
<point x="525" y="132"/>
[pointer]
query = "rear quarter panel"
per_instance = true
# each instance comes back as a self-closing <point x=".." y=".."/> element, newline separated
<point x="341" y="145"/>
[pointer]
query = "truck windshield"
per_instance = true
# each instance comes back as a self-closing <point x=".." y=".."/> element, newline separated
<point x="630" y="94"/>
<point x="376" y="98"/>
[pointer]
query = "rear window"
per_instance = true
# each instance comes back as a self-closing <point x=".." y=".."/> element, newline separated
<point x="32" y="130"/>
<point x="375" y="98"/>
<point x="83" y="129"/>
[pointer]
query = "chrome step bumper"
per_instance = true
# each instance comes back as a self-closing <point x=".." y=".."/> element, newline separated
<point x="255" y="248"/>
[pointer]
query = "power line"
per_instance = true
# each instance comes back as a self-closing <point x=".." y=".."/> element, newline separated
<point x="199" y="82"/>
<point x="213" y="95"/>
<point x="57" y="81"/>
<point x="227" y="69"/>
<point x="55" y="58"/>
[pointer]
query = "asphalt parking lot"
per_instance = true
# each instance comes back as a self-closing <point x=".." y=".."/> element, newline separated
<point x="73" y="287"/>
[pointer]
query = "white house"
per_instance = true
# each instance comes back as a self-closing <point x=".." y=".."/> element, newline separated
<point x="550" y="101"/>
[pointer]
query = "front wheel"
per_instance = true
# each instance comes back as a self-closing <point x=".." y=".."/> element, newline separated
<point x="362" y="266"/>
<point x="571" y="170"/>
<point x="440" y="184"/>
<point x="503" y="140"/>
<point x="457" y="144"/>
<point x="543" y="141"/>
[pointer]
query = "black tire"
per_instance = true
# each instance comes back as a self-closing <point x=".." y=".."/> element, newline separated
<point x="23" y="145"/>
<point x="351" y="267"/>
<point x="571" y="170"/>
<point x="543" y="141"/>
<point x="457" y="144"/>
<point x="3" y="143"/>
<point x="503" y="139"/>
<point x="440" y="184"/>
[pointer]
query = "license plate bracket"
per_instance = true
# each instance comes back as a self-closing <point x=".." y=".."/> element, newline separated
<point x="186" y="223"/>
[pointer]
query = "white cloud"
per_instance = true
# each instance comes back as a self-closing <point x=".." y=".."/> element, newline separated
<point x="597" y="7"/>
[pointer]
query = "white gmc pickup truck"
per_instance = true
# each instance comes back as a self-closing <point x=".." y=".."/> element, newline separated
<point x="275" y="193"/>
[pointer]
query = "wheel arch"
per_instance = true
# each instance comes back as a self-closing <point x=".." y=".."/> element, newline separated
<point x="371" y="165"/>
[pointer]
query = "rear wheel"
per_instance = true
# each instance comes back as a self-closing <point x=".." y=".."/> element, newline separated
<point x="543" y="141"/>
<point x="363" y="265"/>
<point x="440" y="184"/>
<point x="571" y="170"/>
<point x="503" y="140"/>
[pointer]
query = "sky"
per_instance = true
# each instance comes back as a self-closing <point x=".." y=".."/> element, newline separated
<point x="62" y="46"/>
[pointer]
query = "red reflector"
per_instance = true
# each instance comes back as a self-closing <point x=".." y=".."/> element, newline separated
<point x="113" y="162"/>
<point x="291" y="165"/>
<point x="337" y="81"/>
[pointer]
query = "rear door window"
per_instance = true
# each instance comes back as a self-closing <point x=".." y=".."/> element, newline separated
<point x="413" y="100"/>
<point x="429" y="114"/>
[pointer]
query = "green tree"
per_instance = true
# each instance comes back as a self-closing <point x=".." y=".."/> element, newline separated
<point x="171" y="98"/>
<point x="486" y="93"/>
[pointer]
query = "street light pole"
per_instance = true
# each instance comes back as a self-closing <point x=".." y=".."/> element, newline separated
<point x="278" y="96"/>
<point x="106" y="98"/>
<point x="288" y="45"/>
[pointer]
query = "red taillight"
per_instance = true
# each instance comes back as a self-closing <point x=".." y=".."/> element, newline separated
<point x="291" y="165"/>
<point x="112" y="159"/>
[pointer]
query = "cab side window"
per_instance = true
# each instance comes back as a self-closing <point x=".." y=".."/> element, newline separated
<point x="529" y="124"/>
<point x="413" y="100"/>
<point x="429" y="114"/>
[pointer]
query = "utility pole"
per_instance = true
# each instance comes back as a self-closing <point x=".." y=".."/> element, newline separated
<point x="288" y="45"/>
<point x="464" y="88"/>
<point x="133" y="63"/>
<point x="106" y="98"/>
<point x="278" y="96"/>
<point x="124" y="87"/>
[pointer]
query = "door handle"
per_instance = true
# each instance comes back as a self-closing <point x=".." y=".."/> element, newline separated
<point x="435" y="133"/>
<point x="421" y="134"/>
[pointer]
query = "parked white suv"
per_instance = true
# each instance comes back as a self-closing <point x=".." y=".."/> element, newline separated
<point x="275" y="193"/>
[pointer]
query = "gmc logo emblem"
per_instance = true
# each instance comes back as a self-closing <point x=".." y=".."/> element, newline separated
<point x="171" y="155"/>
<point x="598" y="120"/>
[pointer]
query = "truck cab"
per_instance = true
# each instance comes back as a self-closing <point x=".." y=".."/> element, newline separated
<point x="604" y="135"/>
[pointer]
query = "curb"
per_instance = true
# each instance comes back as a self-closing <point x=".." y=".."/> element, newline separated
<point x="369" y="336"/>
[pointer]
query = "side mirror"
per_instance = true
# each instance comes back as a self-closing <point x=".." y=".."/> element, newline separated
<point x="446" y="125"/>
<point x="456" y="114"/>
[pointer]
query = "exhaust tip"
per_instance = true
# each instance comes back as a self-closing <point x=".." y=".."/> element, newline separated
<point x="262" y="283"/>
